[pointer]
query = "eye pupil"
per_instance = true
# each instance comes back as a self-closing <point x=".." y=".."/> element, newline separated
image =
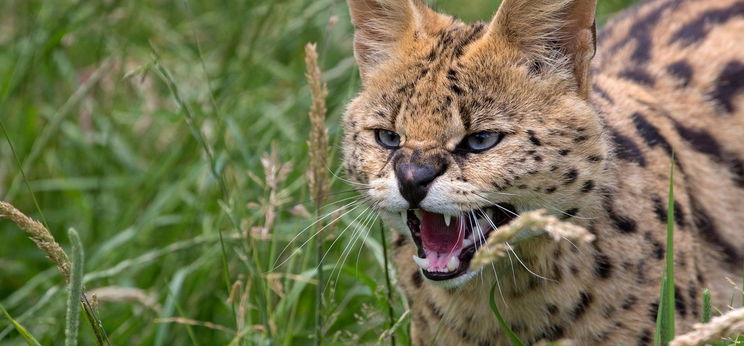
<point x="387" y="139"/>
<point x="480" y="141"/>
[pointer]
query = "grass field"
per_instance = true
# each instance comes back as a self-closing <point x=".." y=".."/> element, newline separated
<point x="172" y="135"/>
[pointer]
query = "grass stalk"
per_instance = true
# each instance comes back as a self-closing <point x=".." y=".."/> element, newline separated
<point x="318" y="180"/>
<point x="253" y="267"/>
<point x="30" y="340"/>
<point x="40" y="235"/>
<point x="707" y="304"/>
<point x="665" y="319"/>
<point x="190" y="119"/>
<point x="44" y="240"/>
<point x="515" y="341"/>
<point x="388" y="286"/>
<point x="75" y="290"/>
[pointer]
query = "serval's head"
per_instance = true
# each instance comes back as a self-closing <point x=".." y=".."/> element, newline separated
<point x="459" y="127"/>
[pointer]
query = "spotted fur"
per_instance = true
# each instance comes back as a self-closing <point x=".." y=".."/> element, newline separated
<point x="667" y="78"/>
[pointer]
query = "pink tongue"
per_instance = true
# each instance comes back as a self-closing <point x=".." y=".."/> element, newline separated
<point x="441" y="242"/>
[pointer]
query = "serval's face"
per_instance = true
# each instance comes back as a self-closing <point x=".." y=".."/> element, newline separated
<point x="460" y="127"/>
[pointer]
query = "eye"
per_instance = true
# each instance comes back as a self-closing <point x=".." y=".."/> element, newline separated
<point x="387" y="139"/>
<point x="479" y="142"/>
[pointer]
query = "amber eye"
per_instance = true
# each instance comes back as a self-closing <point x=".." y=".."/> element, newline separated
<point x="387" y="139"/>
<point x="481" y="141"/>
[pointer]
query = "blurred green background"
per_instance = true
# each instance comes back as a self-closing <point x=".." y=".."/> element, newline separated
<point x="104" y="148"/>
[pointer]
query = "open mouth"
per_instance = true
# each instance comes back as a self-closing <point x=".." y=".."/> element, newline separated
<point x="446" y="243"/>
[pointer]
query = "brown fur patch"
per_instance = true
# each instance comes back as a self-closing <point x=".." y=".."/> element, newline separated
<point x="667" y="80"/>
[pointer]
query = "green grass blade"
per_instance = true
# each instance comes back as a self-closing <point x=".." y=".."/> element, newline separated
<point x="72" y="318"/>
<point x="665" y="329"/>
<point x="512" y="336"/>
<point x="669" y="293"/>
<point x="707" y="303"/>
<point x="388" y="286"/>
<point x="659" y="332"/>
<point x="30" y="340"/>
<point x="397" y="325"/>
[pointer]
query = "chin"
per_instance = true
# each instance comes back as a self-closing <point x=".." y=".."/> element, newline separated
<point x="457" y="281"/>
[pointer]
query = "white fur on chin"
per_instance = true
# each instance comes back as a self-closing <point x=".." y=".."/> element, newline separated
<point x="455" y="282"/>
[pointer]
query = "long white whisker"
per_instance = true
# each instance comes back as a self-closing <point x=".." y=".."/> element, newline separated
<point x="459" y="234"/>
<point x="496" y="205"/>
<point x="572" y="243"/>
<point x="311" y="225"/>
<point x="523" y="265"/>
<point x="475" y="228"/>
<point x="514" y="275"/>
<point x="498" y="284"/>
<point x="364" y="241"/>
<point x="346" y="180"/>
<point x="358" y="203"/>
<point x="358" y="230"/>
<point x="493" y="266"/>
<point x="340" y="235"/>
<point x="545" y="204"/>
<point x="348" y="245"/>
<point x="341" y="200"/>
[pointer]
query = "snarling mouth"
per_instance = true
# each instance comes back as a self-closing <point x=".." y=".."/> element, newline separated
<point x="446" y="243"/>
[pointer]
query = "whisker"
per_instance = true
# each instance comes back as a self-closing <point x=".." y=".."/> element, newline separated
<point x="497" y="205"/>
<point x="340" y="235"/>
<point x="356" y="230"/>
<point x="356" y="235"/>
<point x="459" y="233"/>
<point x="313" y="199"/>
<point x="545" y="204"/>
<point x="513" y="272"/>
<point x="359" y="253"/>
<point x="348" y="245"/>
<point x="525" y="266"/>
<point x="346" y="180"/>
<point x="498" y="285"/>
<point x="342" y="200"/>
<point x="505" y="193"/>
<point x="478" y="233"/>
<point x="572" y="243"/>
<point x="358" y="203"/>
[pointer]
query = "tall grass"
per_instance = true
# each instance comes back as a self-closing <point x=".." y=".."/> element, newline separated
<point x="75" y="291"/>
<point x="665" y="318"/>
<point x="148" y="126"/>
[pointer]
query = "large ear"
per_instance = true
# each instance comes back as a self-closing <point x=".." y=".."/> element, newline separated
<point x="552" y="30"/>
<point x="379" y="26"/>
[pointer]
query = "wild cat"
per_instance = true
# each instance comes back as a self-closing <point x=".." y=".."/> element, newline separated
<point x="460" y="127"/>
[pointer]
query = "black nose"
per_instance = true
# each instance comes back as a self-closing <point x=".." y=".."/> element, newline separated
<point x="414" y="180"/>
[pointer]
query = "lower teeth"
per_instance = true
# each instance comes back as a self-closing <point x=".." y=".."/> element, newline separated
<point x="452" y="265"/>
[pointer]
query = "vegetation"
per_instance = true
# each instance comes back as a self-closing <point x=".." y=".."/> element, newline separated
<point x="173" y="137"/>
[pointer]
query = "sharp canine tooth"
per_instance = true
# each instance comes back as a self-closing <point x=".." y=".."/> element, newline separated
<point x="447" y="219"/>
<point x="453" y="263"/>
<point x="467" y="242"/>
<point x="404" y="217"/>
<point x="419" y="214"/>
<point x="422" y="262"/>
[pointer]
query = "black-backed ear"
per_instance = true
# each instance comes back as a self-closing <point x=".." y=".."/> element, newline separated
<point x="379" y="26"/>
<point x="552" y="30"/>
